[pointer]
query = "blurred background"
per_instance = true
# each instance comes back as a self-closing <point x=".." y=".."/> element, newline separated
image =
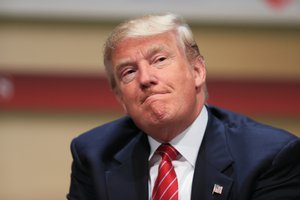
<point x="53" y="87"/>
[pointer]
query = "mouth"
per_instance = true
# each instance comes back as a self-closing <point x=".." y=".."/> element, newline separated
<point x="151" y="95"/>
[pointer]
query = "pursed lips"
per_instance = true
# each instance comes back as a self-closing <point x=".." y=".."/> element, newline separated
<point x="145" y="97"/>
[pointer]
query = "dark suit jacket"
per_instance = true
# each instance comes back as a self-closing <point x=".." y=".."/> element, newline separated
<point x="249" y="160"/>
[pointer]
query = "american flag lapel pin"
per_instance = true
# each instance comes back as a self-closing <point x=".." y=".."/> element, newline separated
<point x="217" y="189"/>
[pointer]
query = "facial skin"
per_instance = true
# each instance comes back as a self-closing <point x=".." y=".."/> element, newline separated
<point x="156" y="84"/>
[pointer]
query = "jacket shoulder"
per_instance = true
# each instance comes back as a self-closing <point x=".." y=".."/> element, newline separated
<point x="106" y="136"/>
<point x="243" y="125"/>
<point x="254" y="142"/>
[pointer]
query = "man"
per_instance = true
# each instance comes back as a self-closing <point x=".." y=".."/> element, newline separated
<point x="158" y="75"/>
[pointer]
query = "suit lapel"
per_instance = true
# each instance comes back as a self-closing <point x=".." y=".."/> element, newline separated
<point x="214" y="164"/>
<point x="129" y="180"/>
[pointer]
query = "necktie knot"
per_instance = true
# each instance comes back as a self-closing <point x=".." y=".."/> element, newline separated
<point x="167" y="152"/>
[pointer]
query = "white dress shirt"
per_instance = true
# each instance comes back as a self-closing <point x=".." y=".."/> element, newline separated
<point x="187" y="144"/>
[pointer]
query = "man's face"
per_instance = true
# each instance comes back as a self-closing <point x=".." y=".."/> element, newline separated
<point x="156" y="84"/>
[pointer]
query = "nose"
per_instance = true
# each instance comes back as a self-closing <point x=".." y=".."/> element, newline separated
<point x="146" y="76"/>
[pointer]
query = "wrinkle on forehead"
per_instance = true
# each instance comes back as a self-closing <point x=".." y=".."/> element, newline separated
<point x="139" y="53"/>
<point x="131" y="49"/>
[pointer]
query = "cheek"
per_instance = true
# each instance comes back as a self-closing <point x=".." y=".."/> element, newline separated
<point x="129" y="98"/>
<point x="184" y="79"/>
<point x="186" y="88"/>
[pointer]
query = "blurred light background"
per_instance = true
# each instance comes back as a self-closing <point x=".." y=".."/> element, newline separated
<point x="53" y="87"/>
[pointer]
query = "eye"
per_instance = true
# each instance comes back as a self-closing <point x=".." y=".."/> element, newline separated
<point x="127" y="74"/>
<point x="161" y="59"/>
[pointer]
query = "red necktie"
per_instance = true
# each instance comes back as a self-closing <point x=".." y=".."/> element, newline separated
<point x="166" y="184"/>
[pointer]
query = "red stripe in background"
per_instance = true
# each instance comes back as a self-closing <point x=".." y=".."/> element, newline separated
<point x="273" y="98"/>
<point x="59" y="93"/>
<point x="92" y="94"/>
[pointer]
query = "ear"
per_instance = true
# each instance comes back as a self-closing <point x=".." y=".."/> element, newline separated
<point x="199" y="70"/>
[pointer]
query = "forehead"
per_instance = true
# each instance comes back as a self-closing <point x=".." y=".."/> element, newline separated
<point x="142" y="45"/>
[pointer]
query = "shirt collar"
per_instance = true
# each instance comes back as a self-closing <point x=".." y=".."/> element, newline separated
<point x="188" y="142"/>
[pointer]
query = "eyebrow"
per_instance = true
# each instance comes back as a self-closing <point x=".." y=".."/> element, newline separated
<point x="150" y="52"/>
<point x="157" y="48"/>
<point x="123" y="62"/>
<point x="154" y="49"/>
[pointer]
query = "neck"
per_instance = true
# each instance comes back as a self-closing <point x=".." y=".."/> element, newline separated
<point x="167" y="132"/>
